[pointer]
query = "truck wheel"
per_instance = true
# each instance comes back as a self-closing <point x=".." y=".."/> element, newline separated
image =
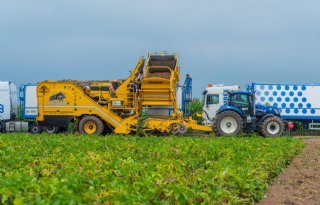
<point x="50" y="129"/>
<point x="91" y="125"/>
<point x="272" y="127"/>
<point x="35" y="128"/>
<point x="228" y="123"/>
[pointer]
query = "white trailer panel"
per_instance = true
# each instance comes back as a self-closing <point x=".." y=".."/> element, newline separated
<point x="296" y="101"/>
<point x="31" y="102"/>
<point x="8" y="100"/>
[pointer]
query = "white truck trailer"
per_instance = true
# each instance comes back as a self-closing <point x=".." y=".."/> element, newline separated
<point x="9" y="109"/>
<point x="297" y="102"/>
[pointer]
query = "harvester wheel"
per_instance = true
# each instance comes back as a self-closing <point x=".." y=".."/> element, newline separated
<point x="91" y="125"/>
<point x="50" y="129"/>
<point x="228" y="123"/>
<point x="174" y="128"/>
<point x="35" y="128"/>
<point x="272" y="127"/>
<point x="182" y="129"/>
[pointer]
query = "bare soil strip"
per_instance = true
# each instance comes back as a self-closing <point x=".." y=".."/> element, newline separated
<point x="300" y="183"/>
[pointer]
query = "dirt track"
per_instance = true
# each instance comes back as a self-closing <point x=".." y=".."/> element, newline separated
<point x="300" y="183"/>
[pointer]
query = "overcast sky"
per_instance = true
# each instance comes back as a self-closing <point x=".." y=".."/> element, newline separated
<point x="221" y="42"/>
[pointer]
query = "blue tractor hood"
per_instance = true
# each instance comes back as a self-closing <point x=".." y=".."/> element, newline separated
<point x="267" y="109"/>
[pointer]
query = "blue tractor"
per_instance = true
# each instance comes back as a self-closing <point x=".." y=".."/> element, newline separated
<point x="240" y="114"/>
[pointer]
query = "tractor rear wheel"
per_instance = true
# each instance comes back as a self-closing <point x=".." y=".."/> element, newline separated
<point x="228" y="123"/>
<point x="91" y="125"/>
<point x="272" y="127"/>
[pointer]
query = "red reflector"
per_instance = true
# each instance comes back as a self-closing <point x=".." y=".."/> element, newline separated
<point x="290" y="125"/>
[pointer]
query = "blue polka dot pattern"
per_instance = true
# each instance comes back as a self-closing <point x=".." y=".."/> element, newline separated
<point x="292" y="99"/>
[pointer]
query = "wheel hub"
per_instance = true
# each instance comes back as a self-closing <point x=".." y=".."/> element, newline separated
<point x="273" y="128"/>
<point x="90" y="127"/>
<point x="228" y="125"/>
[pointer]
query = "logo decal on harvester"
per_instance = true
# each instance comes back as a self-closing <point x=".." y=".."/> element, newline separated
<point x="57" y="99"/>
<point x="1" y="108"/>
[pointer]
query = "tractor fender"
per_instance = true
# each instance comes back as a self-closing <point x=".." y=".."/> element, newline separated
<point x="264" y="117"/>
<point x="232" y="108"/>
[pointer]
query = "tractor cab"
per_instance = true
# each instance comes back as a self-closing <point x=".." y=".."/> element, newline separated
<point x="243" y="101"/>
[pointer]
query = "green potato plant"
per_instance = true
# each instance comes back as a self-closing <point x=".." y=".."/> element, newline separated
<point x="59" y="169"/>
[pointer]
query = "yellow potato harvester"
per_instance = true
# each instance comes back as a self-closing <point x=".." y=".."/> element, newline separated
<point x="97" y="107"/>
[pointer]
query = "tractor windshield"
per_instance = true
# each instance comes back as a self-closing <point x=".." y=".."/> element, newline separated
<point x="239" y="100"/>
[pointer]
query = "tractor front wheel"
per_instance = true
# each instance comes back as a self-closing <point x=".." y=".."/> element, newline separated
<point x="228" y="123"/>
<point x="272" y="127"/>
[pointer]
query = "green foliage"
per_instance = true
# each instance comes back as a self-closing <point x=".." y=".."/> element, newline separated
<point x="141" y="123"/>
<point x="196" y="104"/>
<point x="55" y="169"/>
<point x="71" y="128"/>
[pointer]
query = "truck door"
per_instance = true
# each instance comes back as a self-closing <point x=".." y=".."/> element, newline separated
<point x="212" y="103"/>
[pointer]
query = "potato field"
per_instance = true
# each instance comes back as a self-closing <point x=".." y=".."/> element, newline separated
<point x="73" y="169"/>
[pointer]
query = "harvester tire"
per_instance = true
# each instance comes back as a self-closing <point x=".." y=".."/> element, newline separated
<point x="228" y="123"/>
<point x="183" y="129"/>
<point x="35" y="128"/>
<point x="91" y="125"/>
<point x="174" y="128"/>
<point x="272" y="127"/>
